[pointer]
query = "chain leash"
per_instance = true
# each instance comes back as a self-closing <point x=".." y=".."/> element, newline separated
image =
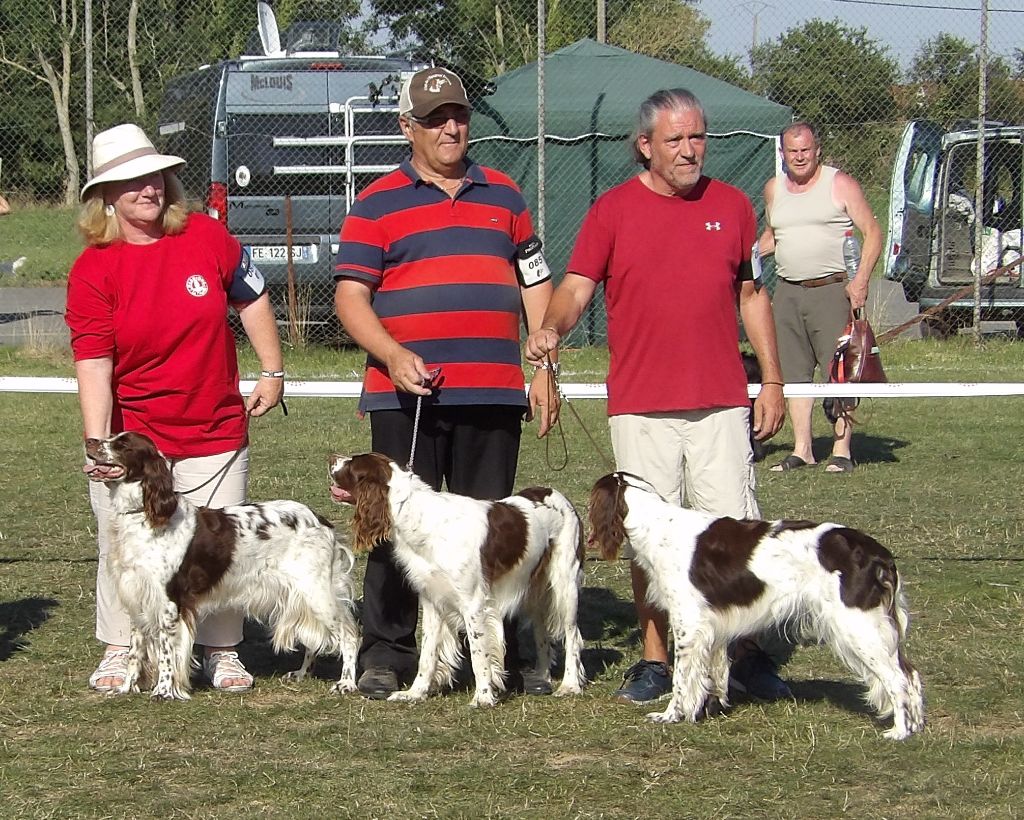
<point x="415" y="432"/>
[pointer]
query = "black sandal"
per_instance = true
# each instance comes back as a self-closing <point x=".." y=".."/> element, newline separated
<point x="790" y="462"/>
<point x="840" y="464"/>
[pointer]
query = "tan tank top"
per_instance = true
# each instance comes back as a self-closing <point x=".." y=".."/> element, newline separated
<point x="808" y="228"/>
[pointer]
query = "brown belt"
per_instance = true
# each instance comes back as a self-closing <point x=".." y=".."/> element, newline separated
<point x="831" y="279"/>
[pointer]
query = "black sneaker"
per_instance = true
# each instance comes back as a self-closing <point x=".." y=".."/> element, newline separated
<point x="757" y="677"/>
<point x="377" y="682"/>
<point x="643" y="682"/>
<point x="527" y="682"/>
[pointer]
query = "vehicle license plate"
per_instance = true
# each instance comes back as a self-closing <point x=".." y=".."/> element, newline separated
<point x="301" y="254"/>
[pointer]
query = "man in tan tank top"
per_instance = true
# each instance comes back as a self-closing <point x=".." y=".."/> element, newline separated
<point x="809" y="209"/>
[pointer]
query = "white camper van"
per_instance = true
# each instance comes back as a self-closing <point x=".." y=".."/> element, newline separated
<point x="931" y="248"/>
<point x="278" y="146"/>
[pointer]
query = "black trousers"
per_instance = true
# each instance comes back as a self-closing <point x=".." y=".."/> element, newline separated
<point x="473" y="451"/>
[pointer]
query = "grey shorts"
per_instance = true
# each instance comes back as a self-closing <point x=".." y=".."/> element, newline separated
<point x="808" y="321"/>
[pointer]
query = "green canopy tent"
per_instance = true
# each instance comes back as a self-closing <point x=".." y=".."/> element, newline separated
<point x="593" y="92"/>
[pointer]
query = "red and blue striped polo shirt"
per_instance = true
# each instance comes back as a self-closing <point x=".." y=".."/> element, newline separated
<point x="444" y="282"/>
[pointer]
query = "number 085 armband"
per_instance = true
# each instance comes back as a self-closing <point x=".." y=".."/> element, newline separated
<point x="531" y="267"/>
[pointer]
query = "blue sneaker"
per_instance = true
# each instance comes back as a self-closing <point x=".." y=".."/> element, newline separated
<point x="643" y="682"/>
<point x="757" y="677"/>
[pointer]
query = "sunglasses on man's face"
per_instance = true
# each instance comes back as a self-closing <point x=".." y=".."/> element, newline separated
<point x="438" y="120"/>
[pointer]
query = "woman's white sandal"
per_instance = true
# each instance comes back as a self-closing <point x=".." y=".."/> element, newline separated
<point x="225" y="665"/>
<point x="114" y="664"/>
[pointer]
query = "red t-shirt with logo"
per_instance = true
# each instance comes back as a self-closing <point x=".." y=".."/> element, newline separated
<point x="671" y="268"/>
<point x="159" y="311"/>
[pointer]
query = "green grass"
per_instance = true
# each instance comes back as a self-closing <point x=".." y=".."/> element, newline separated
<point x="939" y="483"/>
<point x="46" y="237"/>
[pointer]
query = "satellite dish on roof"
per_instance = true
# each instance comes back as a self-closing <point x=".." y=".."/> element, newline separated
<point x="270" y="36"/>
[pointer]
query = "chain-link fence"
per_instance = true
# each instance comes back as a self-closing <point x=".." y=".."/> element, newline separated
<point x="283" y="124"/>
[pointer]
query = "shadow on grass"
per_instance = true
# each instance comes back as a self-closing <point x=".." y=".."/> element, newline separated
<point x="846" y="695"/>
<point x="603" y="616"/>
<point x="18" y="618"/>
<point x="876" y="449"/>
<point x="867" y="449"/>
<point x="257" y="653"/>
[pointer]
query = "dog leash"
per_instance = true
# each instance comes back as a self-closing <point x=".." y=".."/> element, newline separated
<point x="429" y="380"/>
<point x="223" y="471"/>
<point x="227" y="465"/>
<point x="555" y="389"/>
<point x="415" y="431"/>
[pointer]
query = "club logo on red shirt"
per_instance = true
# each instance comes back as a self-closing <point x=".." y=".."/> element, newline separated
<point x="196" y="285"/>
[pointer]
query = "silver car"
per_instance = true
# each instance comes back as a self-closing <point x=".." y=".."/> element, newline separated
<point x="931" y="248"/>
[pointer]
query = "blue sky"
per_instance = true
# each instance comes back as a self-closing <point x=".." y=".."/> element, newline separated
<point x="902" y="25"/>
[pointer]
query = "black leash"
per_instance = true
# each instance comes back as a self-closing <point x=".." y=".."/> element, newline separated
<point x="223" y="471"/>
<point x="227" y="465"/>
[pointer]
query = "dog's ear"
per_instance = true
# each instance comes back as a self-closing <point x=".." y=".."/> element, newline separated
<point x="158" y="498"/>
<point x="371" y="522"/>
<point x="607" y="513"/>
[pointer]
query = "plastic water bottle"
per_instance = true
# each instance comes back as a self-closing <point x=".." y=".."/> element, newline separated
<point x="851" y="254"/>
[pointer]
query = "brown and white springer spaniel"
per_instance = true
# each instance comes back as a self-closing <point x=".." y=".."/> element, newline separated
<point x="172" y="561"/>
<point x="720" y="579"/>
<point x="472" y="563"/>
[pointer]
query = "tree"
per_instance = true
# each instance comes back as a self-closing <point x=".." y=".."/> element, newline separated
<point x="829" y="73"/>
<point x="485" y="37"/>
<point x="490" y="37"/>
<point x="838" y="78"/>
<point x="138" y="46"/>
<point x="44" y="53"/>
<point x="678" y="37"/>
<point x="943" y="80"/>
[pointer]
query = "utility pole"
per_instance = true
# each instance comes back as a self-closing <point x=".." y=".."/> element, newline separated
<point x="754" y="9"/>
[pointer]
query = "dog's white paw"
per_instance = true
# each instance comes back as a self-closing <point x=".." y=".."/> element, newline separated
<point x="568" y="689"/>
<point x="896" y="734"/>
<point x="344" y="687"/>
<point x="168" y="694"/>
<point x="407" y="696"/>
<point x="484" y="699"/>
<point x="668" y="716"/>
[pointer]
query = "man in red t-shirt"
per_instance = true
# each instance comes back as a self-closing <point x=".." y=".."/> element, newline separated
<point x="673" y="250"/>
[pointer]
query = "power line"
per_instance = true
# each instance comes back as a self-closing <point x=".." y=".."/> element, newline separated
<point x="930" y="6"/>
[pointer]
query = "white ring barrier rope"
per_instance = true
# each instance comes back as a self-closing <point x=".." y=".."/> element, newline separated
<point x="352" y="390"/>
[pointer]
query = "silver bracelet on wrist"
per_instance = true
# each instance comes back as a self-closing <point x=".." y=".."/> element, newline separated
<point x="554" y="367"/>
<point x="272" y="374"/>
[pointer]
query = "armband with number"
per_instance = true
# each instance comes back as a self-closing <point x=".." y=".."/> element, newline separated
<point x="530" y="263"/>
